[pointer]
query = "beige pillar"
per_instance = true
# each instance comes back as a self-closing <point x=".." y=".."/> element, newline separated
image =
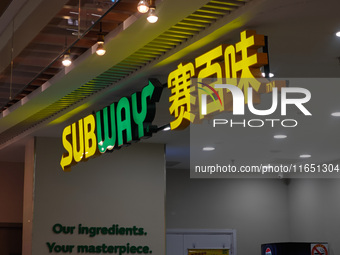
<point x="28" y="198"/>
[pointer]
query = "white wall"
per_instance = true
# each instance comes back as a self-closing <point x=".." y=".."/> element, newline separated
<point x="315" y="211"/>
<point x="261" y="210"/>
<point x="28" y="197"/>
<point x="125" y="187"/>
<point x="256" y="208"/>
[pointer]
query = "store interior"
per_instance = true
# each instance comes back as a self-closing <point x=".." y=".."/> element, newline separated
<point x="302" y="45"/>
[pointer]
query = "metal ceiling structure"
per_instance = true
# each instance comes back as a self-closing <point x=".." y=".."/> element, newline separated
<point x="166" y="41"/>
<point x="74" y="27"/>
<point x="3" y="5"/>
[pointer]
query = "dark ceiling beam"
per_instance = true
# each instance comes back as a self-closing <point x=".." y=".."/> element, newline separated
<point x="38" y="47"/>
<point x="60" y="40"/>
<point x="35" y="69"/>
<point x="89" y="15"/>
<point x="50" y="55"/>
<point x="107" y="26"/>
<point x="6" y="88"/>
<point x="18" y="80"/>
<point x="123" y="6"/>
<point x="22" y="74"/>
<point x="34" y="61"/>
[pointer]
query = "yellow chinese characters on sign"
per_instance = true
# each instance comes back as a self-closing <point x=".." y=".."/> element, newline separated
<point x="237" y="65"/>
<point x="180" y="84"/>
<point x="208" y="252"/>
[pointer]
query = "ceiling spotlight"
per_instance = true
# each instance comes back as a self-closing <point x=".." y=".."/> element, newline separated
<point x="67" y="59"/>
<point x="336" y="114"/>
<point x="305" y="156"/>
<point x="280" y="136"/>
<point x="100" y="49"/>
<point x="143" y="6"/>
<point x="270" y="75"/>
<point x="152" y="17"/>
<point x="337" y="34"/>
<point x="208" y="148"/>
<point x="100" y="41"/>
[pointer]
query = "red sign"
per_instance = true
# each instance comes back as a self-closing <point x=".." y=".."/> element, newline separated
<point x="268" y="251"/>
<point x="319" y="249"/>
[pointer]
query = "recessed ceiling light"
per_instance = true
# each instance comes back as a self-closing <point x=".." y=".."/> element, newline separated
<point x="280" y="136"/>
<point x="338" y="34"/>
<point x="270" y="75"/>
<point x="336" y="114"/>
<point x="305" y="156"/>
<point x="208" y="148"/>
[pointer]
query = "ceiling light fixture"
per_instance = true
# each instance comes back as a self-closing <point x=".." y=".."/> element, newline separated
<point x="152" y="17"/>
<point x="164" y="128"/>
<point x="100" y="48"/>
<point x="270" y="75"/>
<point x="337" y="34"/>
<point x="280" y="136"/>
<point x="336" y="114"/>
<point x="208" y="148"/>
<point x="67" y="59"/>
<point x="143" y="6"/>
<point x="305" y="156"/>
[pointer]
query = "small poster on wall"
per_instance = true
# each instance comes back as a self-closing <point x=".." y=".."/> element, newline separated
<point x="208" y="252"/>
<point x="319" y="248"/>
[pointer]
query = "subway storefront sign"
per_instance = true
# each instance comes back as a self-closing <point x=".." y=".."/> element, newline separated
<point x="118" y="124"/>
<point x="238" y="65"/>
